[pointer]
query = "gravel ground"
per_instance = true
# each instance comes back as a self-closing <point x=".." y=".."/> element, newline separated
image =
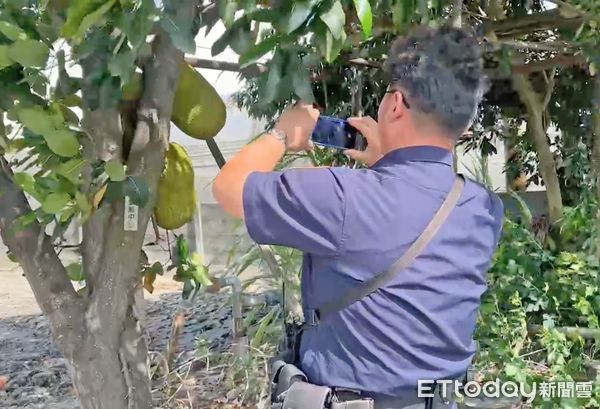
<point x="37" y="376"/>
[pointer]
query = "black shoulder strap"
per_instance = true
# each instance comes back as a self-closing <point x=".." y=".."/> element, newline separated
<point x="313" y="316"/>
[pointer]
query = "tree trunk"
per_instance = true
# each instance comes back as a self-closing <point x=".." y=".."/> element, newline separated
<point x="113" y="376"/>
<point x="535" y="124"/>
<point x="596" y="150"/>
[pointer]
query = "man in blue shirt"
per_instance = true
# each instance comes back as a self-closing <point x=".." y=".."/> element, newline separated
<point x="352" y="224"/>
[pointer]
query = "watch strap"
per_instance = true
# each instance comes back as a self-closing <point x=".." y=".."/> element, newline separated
<point x="281" y="135"/>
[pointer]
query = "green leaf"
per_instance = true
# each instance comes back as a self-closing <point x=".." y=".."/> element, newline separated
<point x="36" y="119"/>
<point x="183" y="249"/>
<point x="26" y="182"/>
<point x="300" y="13"/>
<point x="156" y="269"/>
<point x="398" y="15"/>
<point x="137" y="190"/>
<point x="227" y="9"/>
<point x="241" y="40"/>
<point x="12" y="32"/>
<point x="269" y="90"/>
<point x="75" y="272"/>
<point x="83" y="204"/>
<point x="335" y="19"/>
<point x="47" y="185"/>
<point x="67" y="214"/>
<point x="29" y="53"/>
<point x="188" y="288"/>
<point x="55" y="202"/>
<point x="365" y="15"/>
<point x="114" y="191"/>
<point x="5" y="60"/>
<point x="200" y="274"/>
<point x="62" y="142"/>
<point x="71" y="169"/>
<point x="221" y="43"/>
<point x="262" y="15"/>
<point x="122" y="65"/>
<point x="258" y="338"/>
<point x="115" y="170"/>
<point x="302" y="85"/>
<point x="260" y="49"/>
<point x="83" y="15"/>
<point x="329" y="46"/>
<point x="179" y="28"/>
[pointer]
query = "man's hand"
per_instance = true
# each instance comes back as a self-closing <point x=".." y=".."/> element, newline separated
<point x="369" y="128"/>
<point x="298" y="122"/>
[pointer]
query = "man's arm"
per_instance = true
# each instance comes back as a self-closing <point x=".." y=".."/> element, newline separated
<point x="263" y="155"/>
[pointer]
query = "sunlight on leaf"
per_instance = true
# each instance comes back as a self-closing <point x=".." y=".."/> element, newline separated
<point x="55" y="202"/>
<point x="365" y="15"/>
<point x="335" y="19"/>
<point x="63" y="142"/>
<point x="11" y="31"/>
<point x="115" y="170"/>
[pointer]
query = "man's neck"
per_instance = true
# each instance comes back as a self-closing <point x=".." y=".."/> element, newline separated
<point x="438" y="142"/>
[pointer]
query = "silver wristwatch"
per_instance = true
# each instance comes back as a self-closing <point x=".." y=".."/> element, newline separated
<point x="281" y="135"/>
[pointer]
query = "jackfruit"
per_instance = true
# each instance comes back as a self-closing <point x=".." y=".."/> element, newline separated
<point x="198" y="110"/>
<point x="176" y="199"/>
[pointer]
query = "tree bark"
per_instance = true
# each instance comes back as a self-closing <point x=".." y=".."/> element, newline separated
<point x="100" y="332"/>
<point x="113" y="376"/>
<point x="596" y="151"/>
<point x="535" y="124"/>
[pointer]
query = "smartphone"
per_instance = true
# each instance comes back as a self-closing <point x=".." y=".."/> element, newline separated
<point x="336" y="133"/>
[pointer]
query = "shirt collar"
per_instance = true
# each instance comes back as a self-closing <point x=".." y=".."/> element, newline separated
<point x="416" y="154"/>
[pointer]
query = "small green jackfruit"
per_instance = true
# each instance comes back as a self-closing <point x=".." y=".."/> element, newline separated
<point x="198" y="110"/>
<point x="176" y="201"/>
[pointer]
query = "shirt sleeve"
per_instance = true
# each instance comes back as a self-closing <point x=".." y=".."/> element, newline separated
<point x="299" y="208"/>
<point x="498" y="211"/>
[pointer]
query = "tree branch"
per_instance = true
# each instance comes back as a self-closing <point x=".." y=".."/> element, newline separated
<point x="546" y="20"/>
<point x="103" y="141"/>
<point x="43" y="269"/>
<point x="517" y="67"/>
<point x="596" y="151"/>
<point x="549" y="89"/>
<point x="537" y="130"/>
<point x="146" y="161"/>
<point x="457" y="6"/>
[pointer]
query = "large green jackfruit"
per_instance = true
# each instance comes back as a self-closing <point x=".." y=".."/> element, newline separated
<point x="176" y="201"/>
<point x="198" y="110"/>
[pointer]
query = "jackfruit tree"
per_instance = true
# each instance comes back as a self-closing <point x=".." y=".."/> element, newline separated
<point x="90" y="88"/>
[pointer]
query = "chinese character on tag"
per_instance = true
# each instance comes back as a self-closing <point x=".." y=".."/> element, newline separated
<point x="130" y="222"/>
<point x="584" y="389"/>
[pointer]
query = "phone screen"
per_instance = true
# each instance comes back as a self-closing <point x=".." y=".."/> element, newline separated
<point x="334" y="133"/>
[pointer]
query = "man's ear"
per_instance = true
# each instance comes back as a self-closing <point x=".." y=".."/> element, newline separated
<point x="399" y="109"/>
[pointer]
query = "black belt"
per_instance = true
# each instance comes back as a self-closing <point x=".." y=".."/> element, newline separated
<point x="411" y="398"/>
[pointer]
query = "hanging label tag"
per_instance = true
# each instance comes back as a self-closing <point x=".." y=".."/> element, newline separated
<point x="131" y="216"/>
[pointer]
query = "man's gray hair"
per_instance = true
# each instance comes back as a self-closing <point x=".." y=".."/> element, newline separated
<point x="441" y="69"/>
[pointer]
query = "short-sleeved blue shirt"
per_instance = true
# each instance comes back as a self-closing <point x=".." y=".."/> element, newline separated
<point x="354" y="223"/>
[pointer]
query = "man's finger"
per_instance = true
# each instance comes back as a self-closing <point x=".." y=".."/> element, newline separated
<point x="364" y="127"/>
<point x="355" y="154"/>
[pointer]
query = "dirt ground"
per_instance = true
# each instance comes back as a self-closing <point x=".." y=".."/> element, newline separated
<point x="33" y="374"/>
<point x="16" y="297"/>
